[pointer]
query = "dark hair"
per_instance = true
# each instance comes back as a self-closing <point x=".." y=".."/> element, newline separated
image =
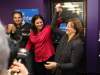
<point x="34" y="18"/>
<point x="17" y="12"/>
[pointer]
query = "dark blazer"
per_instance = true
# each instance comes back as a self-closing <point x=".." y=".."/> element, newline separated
<point x="68" y="55"/>
<point x="18" y="36"/>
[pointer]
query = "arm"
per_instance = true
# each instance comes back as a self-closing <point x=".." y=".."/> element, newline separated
<point x="56" y="21"/>
<point x="56" y="18"/>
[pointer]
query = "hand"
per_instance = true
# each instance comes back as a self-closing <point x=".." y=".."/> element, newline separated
<point x="50" y="65"/>
<point x="58" y="8"/>
<point x="19" y="68"/>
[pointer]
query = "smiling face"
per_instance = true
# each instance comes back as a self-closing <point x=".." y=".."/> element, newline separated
<point x="70" y="28"/>
<point x="17" y="18"/>
<point x="39" y="24"/>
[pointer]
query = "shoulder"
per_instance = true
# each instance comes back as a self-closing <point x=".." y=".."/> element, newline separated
<point x="32" y="33"/>
<point x="47" y="27"/>
<point x="77" y="42"/>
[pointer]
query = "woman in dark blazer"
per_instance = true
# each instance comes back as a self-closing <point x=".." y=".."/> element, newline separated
<point x="69" y="51"/>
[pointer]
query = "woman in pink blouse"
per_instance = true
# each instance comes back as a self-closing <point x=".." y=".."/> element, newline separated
<point x="40" y="42"/>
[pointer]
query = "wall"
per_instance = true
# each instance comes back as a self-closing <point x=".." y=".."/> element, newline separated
<point x="7" y="6"/>
<point x="92" y="31"/>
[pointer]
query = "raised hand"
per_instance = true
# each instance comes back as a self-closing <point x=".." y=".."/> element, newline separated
<point x="58" y="8"/>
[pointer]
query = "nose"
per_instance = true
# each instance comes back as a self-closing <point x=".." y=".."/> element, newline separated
<point x="40" y="24"/>
<point x="17" y="19"/>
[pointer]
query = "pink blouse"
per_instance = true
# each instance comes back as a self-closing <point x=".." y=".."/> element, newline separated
<point x="43" y="44"/>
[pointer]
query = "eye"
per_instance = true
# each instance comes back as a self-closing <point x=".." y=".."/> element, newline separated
<point x="37" y="23"/>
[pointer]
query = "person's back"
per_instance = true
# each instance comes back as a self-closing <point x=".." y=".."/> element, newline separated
<point x="4" y="51"/>
<point x="4" y="55"/>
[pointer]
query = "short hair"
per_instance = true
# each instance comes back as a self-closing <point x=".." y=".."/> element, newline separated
<point x="4" y="49"/>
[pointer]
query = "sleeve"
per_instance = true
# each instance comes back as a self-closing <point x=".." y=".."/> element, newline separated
<point x="56" y="21"/>
<point x="29" y="45"/>
<point x="75" y="58"/>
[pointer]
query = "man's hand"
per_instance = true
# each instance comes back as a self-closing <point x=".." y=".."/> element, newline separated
<point x="58" y="8"/>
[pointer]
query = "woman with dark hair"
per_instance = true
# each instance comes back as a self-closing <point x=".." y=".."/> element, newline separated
<point x="69" y="52"/>
<point x="34" y="27"/>
<point x="40" y="43"/>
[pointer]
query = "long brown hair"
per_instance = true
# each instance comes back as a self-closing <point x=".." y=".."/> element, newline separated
<point x="77" y="26"/>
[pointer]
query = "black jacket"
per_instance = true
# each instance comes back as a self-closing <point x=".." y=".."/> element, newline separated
<point x="68" y="55"/>
<point x="20" y="36"/>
